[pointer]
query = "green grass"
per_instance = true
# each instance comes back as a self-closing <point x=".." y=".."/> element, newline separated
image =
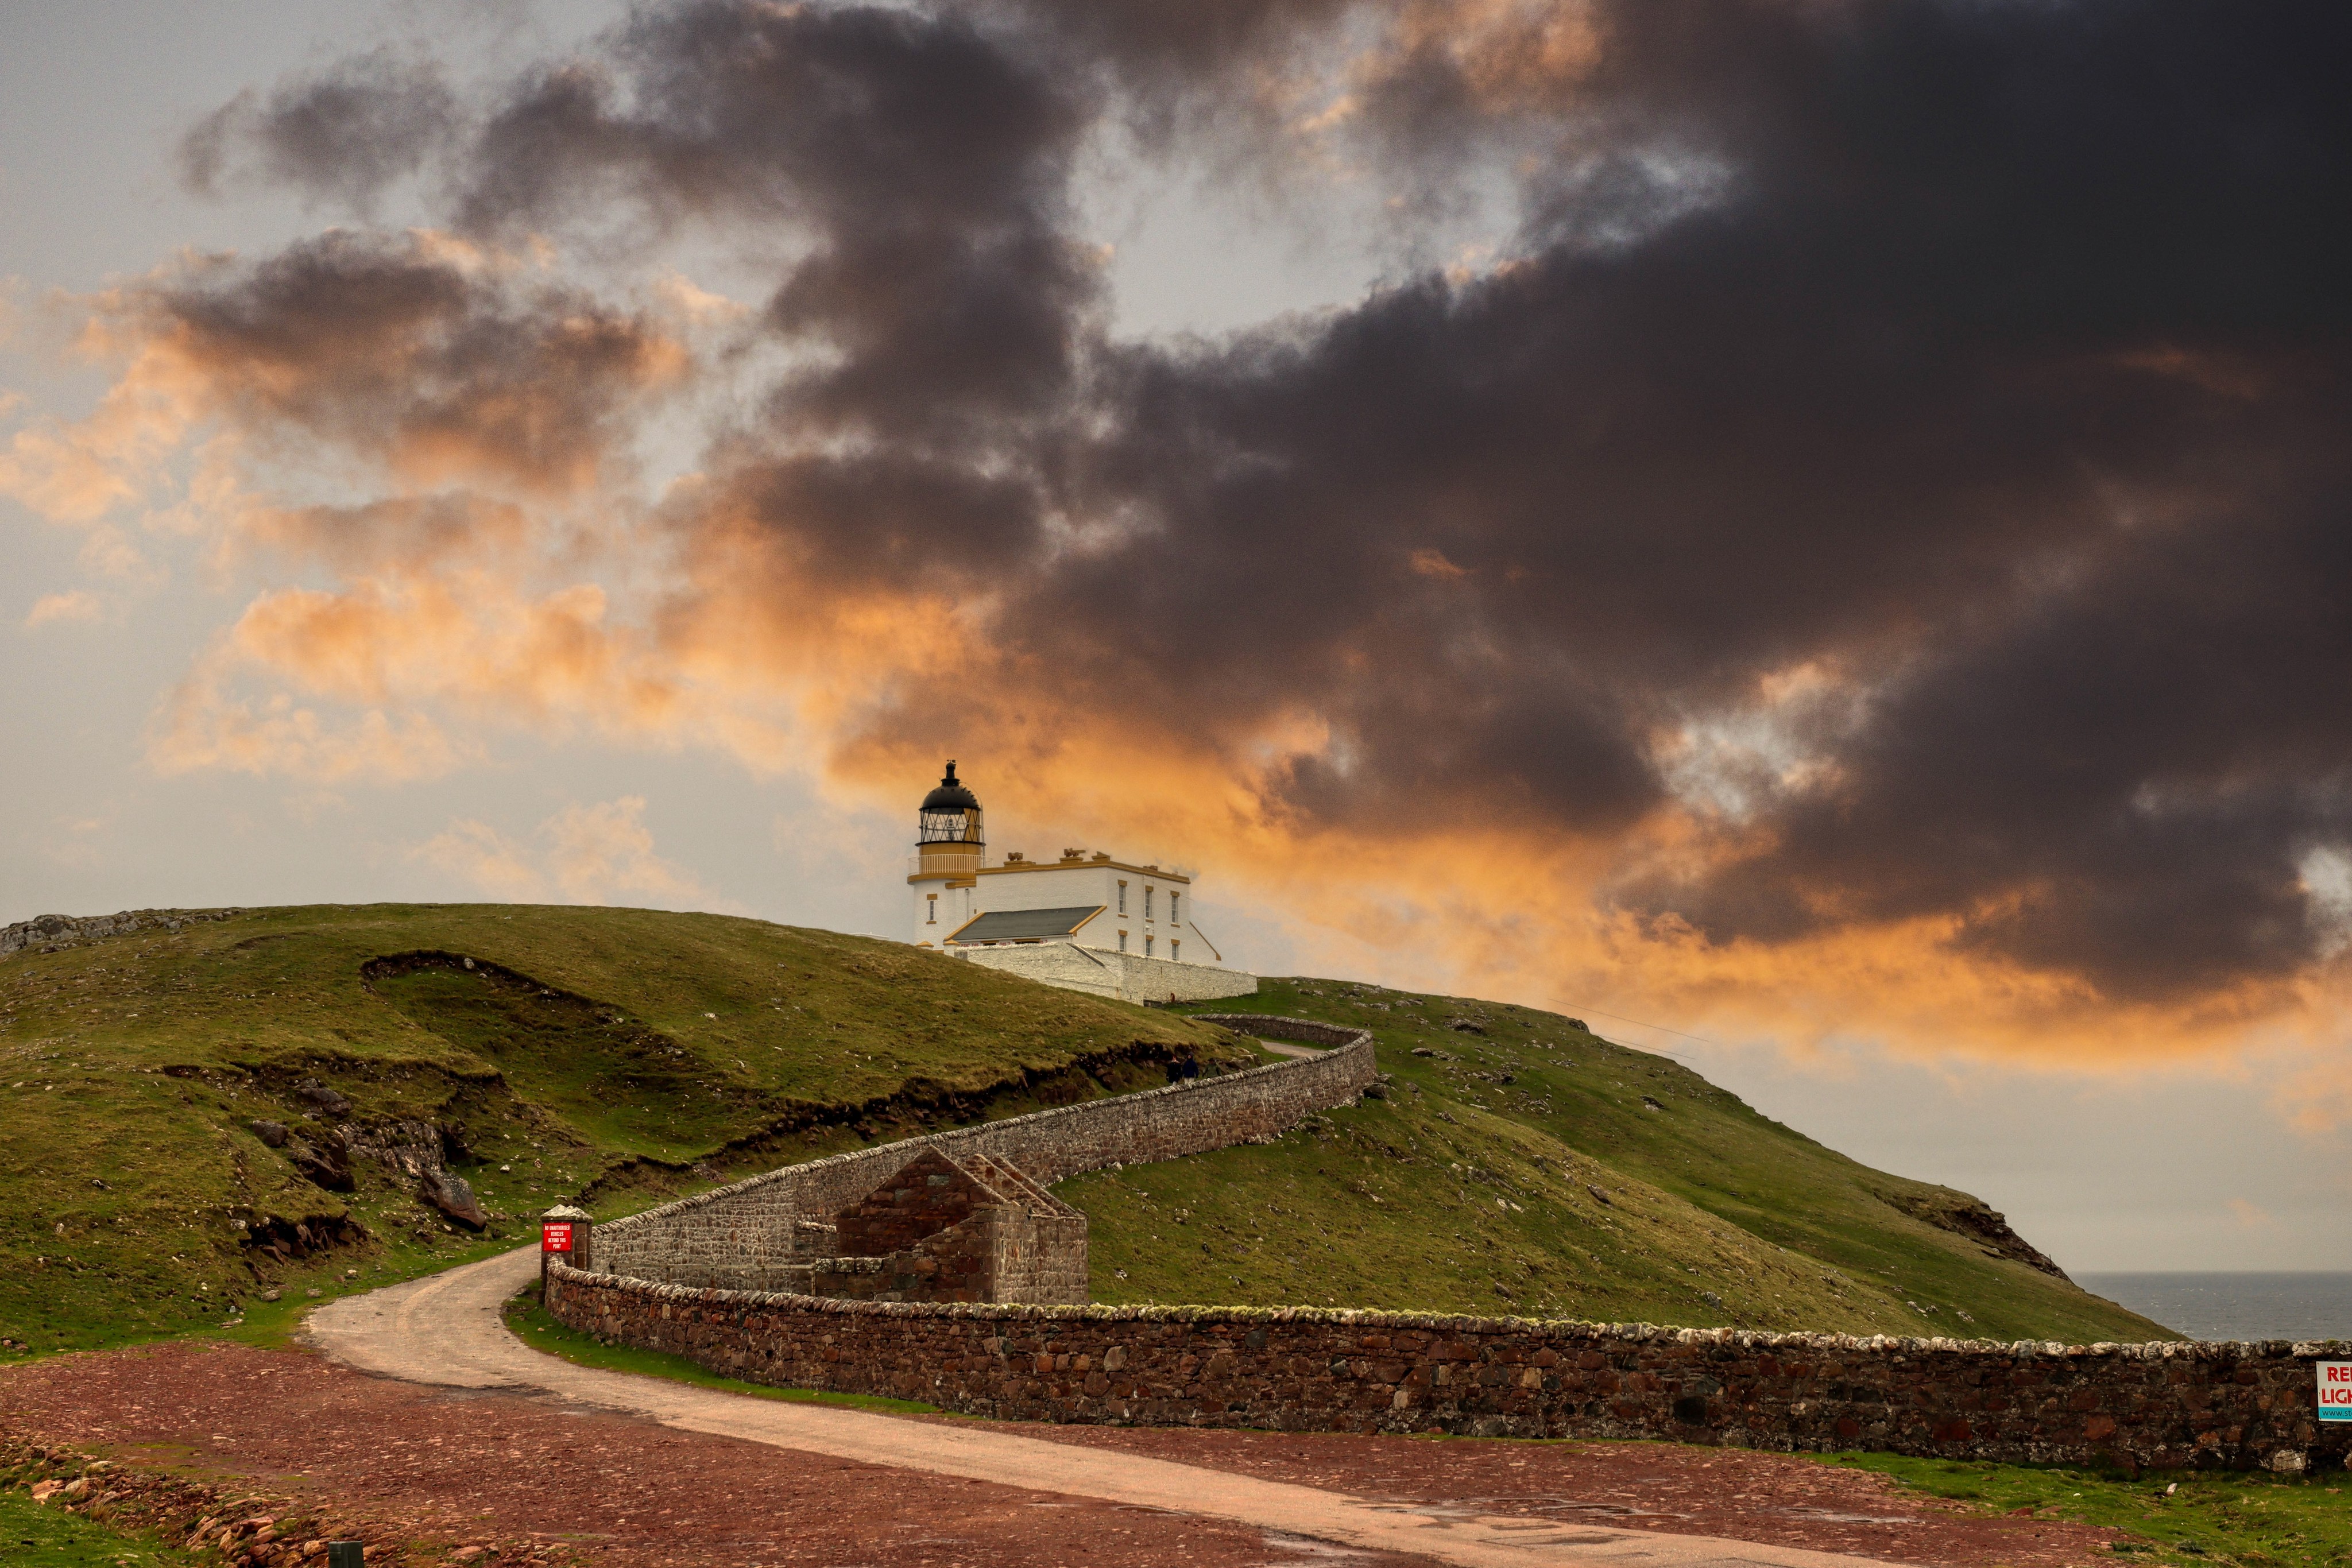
<point x="621" y="1057"/>
<point x="673" y="1050"/>
<point x="1470" y="1188"/>
<point x="528" y="1316"/>
<point x="32" y="1536"/>
<point x="2205" y="1517"/>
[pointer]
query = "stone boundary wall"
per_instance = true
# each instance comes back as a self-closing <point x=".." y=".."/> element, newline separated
<point x="746" y="1236"/>
<point x="1305" y="1369"/>
<point x="1124" y="976"/>
<point x="1273" y="1026"/>
<point x="50" y="933"/>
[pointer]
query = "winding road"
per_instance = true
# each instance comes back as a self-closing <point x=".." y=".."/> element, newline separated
<point x="447" y="1330"/>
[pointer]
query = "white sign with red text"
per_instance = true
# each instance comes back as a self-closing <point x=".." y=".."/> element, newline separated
<point x="2335" y="1390"/>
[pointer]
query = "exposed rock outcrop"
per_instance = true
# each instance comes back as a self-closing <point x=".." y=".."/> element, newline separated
<point x="329" y="1101"/>
<point x="420" y="1150"/>
<point x="48" y="933"/>
<point x="1974" y="1219"/>
<point x="290" y="1237"/>
<point x="320" y="1157"/>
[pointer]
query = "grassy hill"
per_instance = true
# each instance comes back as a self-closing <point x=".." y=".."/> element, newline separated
<point x="1520" y="1164"/>
<point x="606" y="1055"/>
<point x="617" y="1057"/>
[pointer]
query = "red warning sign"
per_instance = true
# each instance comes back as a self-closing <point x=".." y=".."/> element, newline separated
<point x="555" y="1236"/>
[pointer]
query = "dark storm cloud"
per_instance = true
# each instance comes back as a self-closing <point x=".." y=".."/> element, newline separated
<point x="1988" y="354"/>
<point x="2141" y="754"/>
<point x="2007" y="363"/>
<point x="342" y="135"/>
<point x="926" y="166"/>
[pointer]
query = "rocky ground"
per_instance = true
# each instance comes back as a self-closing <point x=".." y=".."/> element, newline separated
<point x="235" y="1435"/>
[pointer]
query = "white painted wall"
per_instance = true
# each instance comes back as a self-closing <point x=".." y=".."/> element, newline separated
<point x="1064" y="885"/>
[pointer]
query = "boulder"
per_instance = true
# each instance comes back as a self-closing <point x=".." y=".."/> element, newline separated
<point x="327" y="1100"/>
<point x="274" y="1134"/>
<point x="454" y="1196"/>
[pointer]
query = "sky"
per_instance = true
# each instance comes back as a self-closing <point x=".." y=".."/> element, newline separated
<point x="1811" y="534"/>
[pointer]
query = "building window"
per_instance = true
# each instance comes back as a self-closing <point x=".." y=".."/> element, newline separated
<point x="1147" y="902"/>
<point x="1174" y="946"/>
<point x="1122" y="898"/>
<point x="1122" y="941"/>
<point x="934" y="908"/>
<point x="1172" y="896"/>
<point x="1146" y="944"/>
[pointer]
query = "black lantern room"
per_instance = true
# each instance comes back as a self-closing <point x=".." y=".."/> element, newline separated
<point x="950" y="815"/>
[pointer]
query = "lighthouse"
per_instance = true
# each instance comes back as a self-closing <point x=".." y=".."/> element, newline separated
<point x="1085" y="920"/>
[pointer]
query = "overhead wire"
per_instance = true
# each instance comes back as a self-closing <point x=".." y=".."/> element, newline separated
<point x="1638" y="1023"/>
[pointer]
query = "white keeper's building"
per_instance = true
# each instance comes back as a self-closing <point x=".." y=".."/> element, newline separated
<point x="1085" y="922"/>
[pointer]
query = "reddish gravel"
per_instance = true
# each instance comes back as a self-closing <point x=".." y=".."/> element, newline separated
<point x="1771" y="1497"/>
<point x="451" y="1468"/>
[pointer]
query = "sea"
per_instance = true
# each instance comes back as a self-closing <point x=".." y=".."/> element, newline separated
<point x="2235" y="1306"/>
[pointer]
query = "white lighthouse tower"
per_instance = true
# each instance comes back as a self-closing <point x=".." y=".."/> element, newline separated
<point x="950" y="845"/>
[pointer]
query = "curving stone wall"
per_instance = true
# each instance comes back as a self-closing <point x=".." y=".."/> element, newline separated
<point x="1273" y="1026"/>
<point x="1306" y="1369"/>
<point x="756" y="1233"/>
<point x="664" y="1279"/>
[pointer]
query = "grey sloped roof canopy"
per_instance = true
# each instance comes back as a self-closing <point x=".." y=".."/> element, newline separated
<point x="1025" y="924"/>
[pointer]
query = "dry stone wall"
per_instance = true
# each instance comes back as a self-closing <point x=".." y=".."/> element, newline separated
<point x="1304" y="1369"/>
<point x="671" y="1280"/>
<point x="1273" y="1026"/>
<point x="49" y="932"/>
<point x="757" y="1233"/>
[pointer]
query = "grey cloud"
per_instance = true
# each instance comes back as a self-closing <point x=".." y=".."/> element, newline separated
<point x="417" y="358"/>
<point x="341" y="135"/>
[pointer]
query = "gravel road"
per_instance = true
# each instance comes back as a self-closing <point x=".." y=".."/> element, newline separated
<point x="446" y="1330"/>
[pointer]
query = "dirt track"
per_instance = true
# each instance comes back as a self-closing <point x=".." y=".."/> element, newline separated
<point x="641" y="1471"/>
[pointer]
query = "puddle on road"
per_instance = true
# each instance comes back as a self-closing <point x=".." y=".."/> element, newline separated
<point x="1303" y="1548"/>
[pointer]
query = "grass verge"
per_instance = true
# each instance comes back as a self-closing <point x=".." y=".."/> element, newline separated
<point x="532" y="1323"/>
<point x="32" y="1536"/>
<point x="2179" y="1517"/>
